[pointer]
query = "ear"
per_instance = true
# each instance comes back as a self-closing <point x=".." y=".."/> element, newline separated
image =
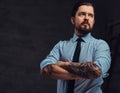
<point x="73" y="20"/>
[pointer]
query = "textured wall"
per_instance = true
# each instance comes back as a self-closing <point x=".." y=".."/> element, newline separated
<point x="28" y="31"/>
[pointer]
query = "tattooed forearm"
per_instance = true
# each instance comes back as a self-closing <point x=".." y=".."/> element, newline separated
<point x="88" y="70"/>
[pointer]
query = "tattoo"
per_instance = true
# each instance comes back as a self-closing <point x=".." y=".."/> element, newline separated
<point x="88" y="70"/>
<point x="47" y="71"/>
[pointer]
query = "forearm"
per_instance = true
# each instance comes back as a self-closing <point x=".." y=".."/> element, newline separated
<point x="87" y="70"/>
<point x="56" y="72"/>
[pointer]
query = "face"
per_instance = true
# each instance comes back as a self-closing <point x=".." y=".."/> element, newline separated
<point x="83" y="20"/>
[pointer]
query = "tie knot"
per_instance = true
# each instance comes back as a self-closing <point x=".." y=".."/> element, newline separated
<point x="79" y="39"/>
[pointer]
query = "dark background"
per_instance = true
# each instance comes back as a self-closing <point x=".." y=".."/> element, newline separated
<point x="30" y="28"/>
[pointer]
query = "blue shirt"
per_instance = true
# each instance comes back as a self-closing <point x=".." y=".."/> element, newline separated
<point x="95" y="50"/>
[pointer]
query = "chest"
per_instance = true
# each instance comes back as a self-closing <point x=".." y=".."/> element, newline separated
<point x="87" y="52"/>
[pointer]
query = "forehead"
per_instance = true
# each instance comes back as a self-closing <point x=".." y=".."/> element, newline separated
<point x="85" y="8"/>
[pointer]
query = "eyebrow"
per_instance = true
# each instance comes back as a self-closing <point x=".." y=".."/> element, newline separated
<point x="86" y="13"/>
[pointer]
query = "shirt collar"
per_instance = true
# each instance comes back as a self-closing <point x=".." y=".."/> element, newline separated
<point x="86" y="38"/>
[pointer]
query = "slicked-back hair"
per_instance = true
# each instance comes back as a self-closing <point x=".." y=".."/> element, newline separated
<point x="77" y="5"/>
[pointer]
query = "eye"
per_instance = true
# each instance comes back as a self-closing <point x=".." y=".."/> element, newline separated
<point x="91" y="15"/>
<point x="82" y="14"/>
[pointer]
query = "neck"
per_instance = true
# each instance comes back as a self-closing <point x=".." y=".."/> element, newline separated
<point x="78" y="33"/>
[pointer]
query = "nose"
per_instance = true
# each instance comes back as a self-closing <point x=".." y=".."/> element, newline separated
<point x="86" y="16"/>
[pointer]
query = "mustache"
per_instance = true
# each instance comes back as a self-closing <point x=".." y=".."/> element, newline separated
<point x="85" y="22"/>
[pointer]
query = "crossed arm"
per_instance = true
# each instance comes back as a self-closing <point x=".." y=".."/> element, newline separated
<point x="72" y="70"/>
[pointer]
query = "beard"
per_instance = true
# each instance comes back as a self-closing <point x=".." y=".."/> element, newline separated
<point x="84" y="31"/>
<point x="84" y="28"/>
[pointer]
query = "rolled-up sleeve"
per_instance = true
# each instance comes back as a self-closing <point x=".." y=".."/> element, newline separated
<point x="103" y="57"/>
<point x="53" y="56"/>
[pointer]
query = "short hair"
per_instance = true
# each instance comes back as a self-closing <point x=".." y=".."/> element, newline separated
<point x="77" y="5"/>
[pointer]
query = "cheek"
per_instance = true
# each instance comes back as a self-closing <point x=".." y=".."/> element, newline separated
<point x="91" y="23"/>
<point x="79" y="19"/>
<point x="78" y="22"/>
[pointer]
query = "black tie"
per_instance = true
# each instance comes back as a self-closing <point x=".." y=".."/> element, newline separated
<point x="70" y="88"/>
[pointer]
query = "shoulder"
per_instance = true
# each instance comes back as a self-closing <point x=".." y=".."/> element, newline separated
<point x="63" y="43"/>
<point x="100" y="43"/>
<point x="96" y="40"/>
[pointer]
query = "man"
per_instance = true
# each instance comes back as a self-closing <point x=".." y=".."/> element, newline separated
<point x="90" y="68"/>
